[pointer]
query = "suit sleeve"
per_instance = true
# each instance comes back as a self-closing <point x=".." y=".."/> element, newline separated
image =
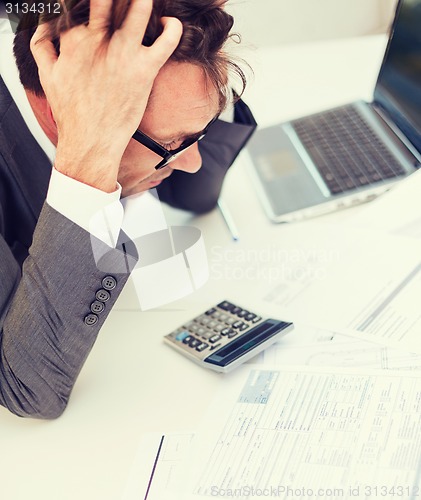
<point x="48" y="323"/>
<point x="219" y="148"/>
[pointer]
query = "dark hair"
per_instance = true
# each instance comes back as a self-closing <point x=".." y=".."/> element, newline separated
<point x="206" y="28"/>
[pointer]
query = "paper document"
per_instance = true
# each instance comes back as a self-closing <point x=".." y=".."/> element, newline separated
<point x="157" y="469"/>
<point x="342" y="351"/>
<point x="302" y="432"/>
<point x="371" y="291"/>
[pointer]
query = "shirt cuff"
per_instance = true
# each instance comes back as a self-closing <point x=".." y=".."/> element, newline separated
<point x="98" y="212"/>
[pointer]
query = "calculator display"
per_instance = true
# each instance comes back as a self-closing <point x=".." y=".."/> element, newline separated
<point x="245" y="343"/>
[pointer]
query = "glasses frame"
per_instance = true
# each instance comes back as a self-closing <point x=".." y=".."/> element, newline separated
<point x="169" y="155"/>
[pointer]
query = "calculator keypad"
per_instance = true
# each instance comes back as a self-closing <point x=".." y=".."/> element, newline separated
<point x="213" y="329"/>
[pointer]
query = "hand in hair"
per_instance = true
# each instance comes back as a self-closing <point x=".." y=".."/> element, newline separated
<point x="99" y="85"/>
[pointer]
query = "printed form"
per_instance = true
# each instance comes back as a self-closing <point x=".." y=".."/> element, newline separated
<point x="295" y="432"/>
<point x="301" y="432"/>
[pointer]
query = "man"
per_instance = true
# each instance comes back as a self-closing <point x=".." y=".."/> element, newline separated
<point x="109" y="112"/>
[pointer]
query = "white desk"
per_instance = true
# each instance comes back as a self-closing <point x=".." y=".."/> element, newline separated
<point x="132" y="383"/>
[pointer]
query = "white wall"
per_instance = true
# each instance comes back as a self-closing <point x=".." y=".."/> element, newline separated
<point x="271" y="22"/>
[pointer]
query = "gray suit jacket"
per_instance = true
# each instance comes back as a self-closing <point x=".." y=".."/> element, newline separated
<point x="51" y="288"/>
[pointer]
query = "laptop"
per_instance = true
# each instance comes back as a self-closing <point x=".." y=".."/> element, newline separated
<point x="350" y="154"/>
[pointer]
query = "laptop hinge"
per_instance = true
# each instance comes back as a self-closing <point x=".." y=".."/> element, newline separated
<point x="397" y="131"/>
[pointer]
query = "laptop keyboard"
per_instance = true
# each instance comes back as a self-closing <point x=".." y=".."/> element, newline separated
<point x="345" y="149"/>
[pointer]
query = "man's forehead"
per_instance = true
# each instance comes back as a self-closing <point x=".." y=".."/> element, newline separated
<point x="182" y="96"/>
<point x="176" y="78"/>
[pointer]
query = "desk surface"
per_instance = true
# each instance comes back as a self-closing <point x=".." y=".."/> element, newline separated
<point x="132" y="383"/>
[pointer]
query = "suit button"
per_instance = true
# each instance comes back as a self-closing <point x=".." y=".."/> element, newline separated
<point x="90" y="319"/>
<point x="102" y="295"/>
<point x="97" y="307"/>
<point x="109" y="283"/>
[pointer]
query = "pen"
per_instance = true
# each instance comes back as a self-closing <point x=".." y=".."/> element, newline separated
<point x="226" y="215"/>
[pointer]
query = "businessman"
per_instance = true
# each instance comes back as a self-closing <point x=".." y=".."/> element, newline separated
<point x="112" y="100"/>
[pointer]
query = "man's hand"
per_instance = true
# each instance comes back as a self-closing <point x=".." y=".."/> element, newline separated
<point x="98" y="87"/>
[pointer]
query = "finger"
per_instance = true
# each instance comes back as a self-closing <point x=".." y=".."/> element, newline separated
<point x="168" y="40"/>
<point x="120" y="9"/>
<point x="137" y="19"/>
<point x="99" y="13"/>
<point x="42" y="48"/>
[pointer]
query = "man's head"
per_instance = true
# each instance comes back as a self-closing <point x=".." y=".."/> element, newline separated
<point x="190" y="89"/>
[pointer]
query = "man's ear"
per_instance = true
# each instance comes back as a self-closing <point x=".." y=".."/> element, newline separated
<point x="43" y="115"/>
<point x="50" y="114"/>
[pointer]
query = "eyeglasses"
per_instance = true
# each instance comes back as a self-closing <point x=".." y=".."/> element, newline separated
<point x="166" y="155"/>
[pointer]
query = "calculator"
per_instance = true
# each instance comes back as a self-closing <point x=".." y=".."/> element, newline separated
<point x="226" y="335"/>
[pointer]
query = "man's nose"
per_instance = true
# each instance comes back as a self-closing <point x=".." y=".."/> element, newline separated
<point x="189" y="161"/>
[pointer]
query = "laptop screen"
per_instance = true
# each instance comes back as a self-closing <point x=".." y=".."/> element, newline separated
<point x="398" y="88"/>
